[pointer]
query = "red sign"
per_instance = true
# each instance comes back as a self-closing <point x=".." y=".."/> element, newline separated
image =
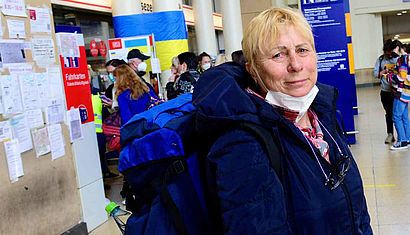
<point x="77" y="85"/>
<point x="115" y="44"/>
<point x="32" y="14"/>
<point x="103" y="48"/>
<point x="93" y="48"/>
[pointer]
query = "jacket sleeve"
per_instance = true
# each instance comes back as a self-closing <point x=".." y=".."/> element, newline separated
<point x="250" y="195"/>
<point x="376" y="69"/>
<point x="125" y="110"/>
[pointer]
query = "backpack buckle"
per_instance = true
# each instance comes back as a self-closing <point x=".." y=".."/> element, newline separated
<point x="178" y="166"/>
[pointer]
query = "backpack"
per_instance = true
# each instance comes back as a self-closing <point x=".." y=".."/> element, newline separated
<point x="111" y="129"/>
<point x="164" y="164"/>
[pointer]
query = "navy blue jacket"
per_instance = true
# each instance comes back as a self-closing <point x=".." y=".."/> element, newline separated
<point x="252" y="199"/>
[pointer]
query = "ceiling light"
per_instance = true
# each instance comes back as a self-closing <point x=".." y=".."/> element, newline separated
<point x="399" y="14"/>
<point x="404" y="12"/>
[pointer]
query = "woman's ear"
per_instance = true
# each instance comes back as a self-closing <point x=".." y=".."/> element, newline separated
<point x="251" y="71"/>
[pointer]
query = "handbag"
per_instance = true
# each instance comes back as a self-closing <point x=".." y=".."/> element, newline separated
<point x="111" y="128"/>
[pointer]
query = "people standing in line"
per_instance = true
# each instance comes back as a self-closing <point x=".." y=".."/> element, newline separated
<point x="133" y="94"/>
<point x="238" y="57"/>
<point x="385" y="64"/>
<point x="401" y="90"/>
<point x="188" y="75"/>
<point x="317" y="188"/>
<point x="204" y="62"/>
<point x="136" y="60"/>
<point x="110" y="106"/>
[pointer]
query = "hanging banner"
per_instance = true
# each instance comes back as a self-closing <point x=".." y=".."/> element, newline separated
<point x="330" y="22"/>
<point x="75" y="74"/>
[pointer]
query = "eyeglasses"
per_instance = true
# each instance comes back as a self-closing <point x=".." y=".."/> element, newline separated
<point x="339" y="171"/>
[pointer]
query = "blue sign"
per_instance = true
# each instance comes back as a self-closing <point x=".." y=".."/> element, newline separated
<point x="327" y="19"/>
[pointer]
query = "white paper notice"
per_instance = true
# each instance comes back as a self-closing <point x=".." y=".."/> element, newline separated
<point x="43" y="88"/>
<point x="40" y="20"/>
<point x="55" y="82"/>
<point x="68" y="45"/>
<point x="14" y="8"/>
<point x="10" y="92"/>
<point x="43" y="50"/>
<point x="29" y="92"/>
<point x="16" y="29"/>
<point x="6" y="132"/>
<point x="41" y="141"/>
<point x="14" y="162"/>
<point x="74" y="123"/>
<point x="34" y="118"/>
<point x="55" y="111"/>
<point x="56" y="141"/>
<point x="12" y="51"/>
<point x="22" y="132"/>
<point x="21" y="68"/>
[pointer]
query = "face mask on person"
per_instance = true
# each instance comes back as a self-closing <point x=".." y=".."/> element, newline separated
<point x="142" y="67"/>
<point x="297" y="104"/>
<point x="111" y="77"/>
<point x="206" y="66"/>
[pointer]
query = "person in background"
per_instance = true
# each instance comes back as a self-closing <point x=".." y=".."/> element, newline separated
<point x="110" y="66"/>
<point x="133" y="94"/>
<point x="204" y="62"/>
<point x="317" y="188"/>
<point x="101" y="139"/>
<point x="171" y="80"/>
<point x="188" y="75"/>
<point x="385" y="64"/>
<point x="238" y="57"/>
<point x="401" y="90"/>
<point x="136" y="62"/>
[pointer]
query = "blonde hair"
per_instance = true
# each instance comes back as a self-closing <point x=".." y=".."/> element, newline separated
<point x="263" y="31"/>
<point x="128" y="79"/>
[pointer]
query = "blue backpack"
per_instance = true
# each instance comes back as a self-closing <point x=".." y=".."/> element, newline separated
<point x="163" y="161"/>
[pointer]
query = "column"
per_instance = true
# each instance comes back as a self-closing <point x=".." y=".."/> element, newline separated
<point x="280" y="3"/>
<point x="166" y="5"/>
<point x="126" y="7"/>
<point x="232" y="23"/>
<point x="204" y="26"/>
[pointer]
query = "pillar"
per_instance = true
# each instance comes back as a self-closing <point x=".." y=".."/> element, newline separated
<point x="126" y="7"/>
<point x="232" y="23"/>
<point x="204" y="26"/>
<point x="166" y="5"/>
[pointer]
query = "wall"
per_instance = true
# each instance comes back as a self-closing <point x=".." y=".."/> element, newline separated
<point x="45" y="200"/>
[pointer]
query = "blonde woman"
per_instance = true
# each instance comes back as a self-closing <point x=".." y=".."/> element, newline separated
<point x="132" y="93"/>
<point x="317" y="189"/>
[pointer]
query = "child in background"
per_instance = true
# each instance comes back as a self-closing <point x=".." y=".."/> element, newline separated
<point x="401" y="89"/>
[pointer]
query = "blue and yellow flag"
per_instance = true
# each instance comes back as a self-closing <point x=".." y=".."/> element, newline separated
<point x="169" y="29"/>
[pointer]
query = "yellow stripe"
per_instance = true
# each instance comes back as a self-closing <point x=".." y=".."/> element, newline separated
<point x="351" y="57"/>
<point x="348" y="25"/>
<point x="379" y="185"/>
<point x="166" y="50"/>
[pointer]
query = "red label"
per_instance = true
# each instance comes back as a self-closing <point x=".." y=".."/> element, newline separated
<point x="77" y="86"/>
<point x="32" y="14"/>
<point x="103" y="48"/>
<point x="115" y="44"/>
<point x="93" y="48"/>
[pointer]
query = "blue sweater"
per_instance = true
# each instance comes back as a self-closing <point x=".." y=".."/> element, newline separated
<point x="129" y="106"/>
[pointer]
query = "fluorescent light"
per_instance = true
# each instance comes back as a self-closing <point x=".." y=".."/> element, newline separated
<point x="399" y="14"/>
<point x="404" y="12"/>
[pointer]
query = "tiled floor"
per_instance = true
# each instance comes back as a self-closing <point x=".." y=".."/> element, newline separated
<point x="386" y="174"/>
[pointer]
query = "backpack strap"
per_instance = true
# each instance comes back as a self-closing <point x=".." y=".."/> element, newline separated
<point x="269" y="143"/>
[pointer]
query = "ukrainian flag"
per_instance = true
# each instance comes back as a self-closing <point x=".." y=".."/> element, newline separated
<point x="169" y="29"/>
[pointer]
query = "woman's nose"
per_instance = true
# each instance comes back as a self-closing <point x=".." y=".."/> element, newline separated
<point x="295" y="64"/>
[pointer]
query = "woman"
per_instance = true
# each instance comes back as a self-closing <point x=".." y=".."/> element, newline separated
<point x="320" y="189"/>
<point x="204" y="62"/>
<point x="133" y="94"/>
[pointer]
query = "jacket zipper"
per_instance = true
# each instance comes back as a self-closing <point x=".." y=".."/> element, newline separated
<point x="349" y="202"/>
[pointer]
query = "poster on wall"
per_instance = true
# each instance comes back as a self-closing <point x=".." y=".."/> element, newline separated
<point x="14" y="8"/>
<point x="334" y="50"/>
<point x="40" y="20"/>
<point x="75" y="74"/>
<point x="119" y="47"/>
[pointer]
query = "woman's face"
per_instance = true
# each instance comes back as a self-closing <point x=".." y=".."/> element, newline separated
<point x="291" y="66"/>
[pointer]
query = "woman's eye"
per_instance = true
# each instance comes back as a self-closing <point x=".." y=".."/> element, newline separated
<point x="278" y="55"/>
<point x="302" y="50"/>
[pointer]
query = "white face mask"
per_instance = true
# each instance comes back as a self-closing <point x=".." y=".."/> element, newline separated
<point x="142" y="67"/>
<point x="206" y="66"/>
<point x="297" y="104"/>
